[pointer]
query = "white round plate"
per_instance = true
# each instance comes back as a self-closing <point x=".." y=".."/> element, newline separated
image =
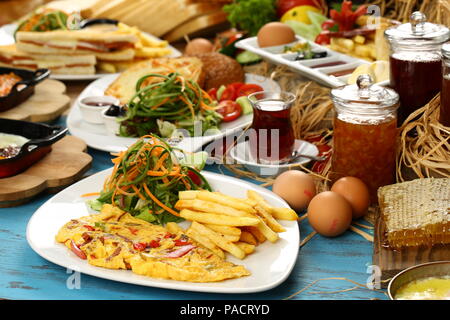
<point x="269" y="265"/>
<point x="96" y="136"/>
<point x="241" y="154"/>
<point x="7" y="37"/>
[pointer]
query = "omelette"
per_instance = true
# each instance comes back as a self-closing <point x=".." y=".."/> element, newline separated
<point x="114" y="239"/>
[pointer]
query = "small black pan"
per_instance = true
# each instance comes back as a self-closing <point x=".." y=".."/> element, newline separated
<point x="41" y="138"/>
<point x="23" y="89"/>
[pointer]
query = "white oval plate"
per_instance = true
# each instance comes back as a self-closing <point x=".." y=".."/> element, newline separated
<point x="96" y="136"/>
<point x="241" y="154"/>
<point x="7" y="37"/>
<point x="269" y="265"/>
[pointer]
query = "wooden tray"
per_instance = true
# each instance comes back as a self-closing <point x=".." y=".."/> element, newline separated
<point x="65" y="164"/>
<point x="392" y="262"/>
<point x="47" y="103"/>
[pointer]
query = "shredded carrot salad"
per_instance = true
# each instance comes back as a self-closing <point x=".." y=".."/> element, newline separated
<point x="146" y="179"/>
<point x="170" y="98"/>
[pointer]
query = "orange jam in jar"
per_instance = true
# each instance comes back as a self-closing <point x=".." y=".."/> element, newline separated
<point x="365" y="134"/>
<point x="365" y="150"/>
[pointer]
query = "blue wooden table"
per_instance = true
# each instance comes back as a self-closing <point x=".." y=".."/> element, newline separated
<point x="25" y="275"/>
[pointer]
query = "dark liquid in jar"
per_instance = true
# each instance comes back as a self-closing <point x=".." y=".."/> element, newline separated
<point x="365" y="150"/>
<point x="444" y="117"/>
<point x="416" y="82"/>
<point x="270" y="115"/>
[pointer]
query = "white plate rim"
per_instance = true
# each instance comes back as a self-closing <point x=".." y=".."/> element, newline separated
<point x="171" y="284"/>
<point x="109" y="143"/>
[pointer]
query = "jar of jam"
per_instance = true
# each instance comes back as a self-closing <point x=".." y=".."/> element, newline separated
<point x="365" y="133"/>
<point x="444" y="116"/>
<point x="415" y="62"/>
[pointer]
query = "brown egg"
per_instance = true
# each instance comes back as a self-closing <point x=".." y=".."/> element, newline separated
<point x="198" y="46"/>
<point x="296" y="187"/>
<point x="275" y="34"/>
<point x="355" y="192"/>
<point x="329" y="214"/>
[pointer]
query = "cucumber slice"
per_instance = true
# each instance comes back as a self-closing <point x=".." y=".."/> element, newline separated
<point x="245" y="104"/>
<point x="247" y="57"/>
<point x="220" y="91"/>
<point x="316" y="20"/>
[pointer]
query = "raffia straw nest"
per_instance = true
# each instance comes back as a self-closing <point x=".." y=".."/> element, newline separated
<point x="424" y="149"/>
<point x="437" y="11"/>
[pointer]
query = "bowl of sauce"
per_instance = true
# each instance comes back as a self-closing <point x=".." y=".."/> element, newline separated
<point x="92" y="107"/>
<point x="428" y="281"/>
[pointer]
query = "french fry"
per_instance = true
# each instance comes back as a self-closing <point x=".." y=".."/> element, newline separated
<point x="259" y="200"/>
<point x="210" y="207"/>
<point x="248" y="238"/>
<point x="211" y="218"/>
<point x="188" y="195"/>
<point x="173" y="227"/>
<point x="205" y="241"/>
<point x="229" y="237"/>
<point x="218" y="240"/>
<point x="266" y="231"/>
<point x="236" y="203"/>
<point x="147" y="52"/>
<point x="233" y="231"/>
<point x="269" y="220"/>
<point x="284" y="214"/>
<point x="256" y="233"/>
<point x="246" y="247"/>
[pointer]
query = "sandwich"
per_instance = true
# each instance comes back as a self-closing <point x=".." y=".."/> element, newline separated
<point x="124" y="87"/>
<point x="58" y="64"/>
<point x="105" y="45"/>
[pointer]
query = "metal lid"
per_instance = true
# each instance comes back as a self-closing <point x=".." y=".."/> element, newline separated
<point x="446" y="50"/>
<point x="418" y="31"/>
<point x="364" y="92"/>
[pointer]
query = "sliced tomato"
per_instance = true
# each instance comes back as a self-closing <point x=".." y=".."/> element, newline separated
<point x="229" y="110"/>
<point x="237" y="86"/>
<point x="154" y="244"/>
<point x="323" y="38"/>
<point x="213" y="93"/>
<point x="248" y="89"/>
<point x="90" y="228"/>
<point x="195" y="178"/>
<point x="228" y="94"/>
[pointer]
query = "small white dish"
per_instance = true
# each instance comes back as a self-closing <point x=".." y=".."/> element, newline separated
<point x="241" y="154"/>
<point x="92" y="113"/>
<point x="279" y="49"/>
<point x="111" y="123"/>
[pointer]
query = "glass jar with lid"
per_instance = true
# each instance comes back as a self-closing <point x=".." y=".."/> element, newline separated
<point x="415" y="61"/>
<point x="365" y="133"/>
<point x="444" y="116"/>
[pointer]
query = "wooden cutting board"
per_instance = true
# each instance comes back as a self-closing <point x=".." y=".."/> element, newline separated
<point x="392" y="262"/>
<point x="64" y="165"/>
<point x="47" y="103"/>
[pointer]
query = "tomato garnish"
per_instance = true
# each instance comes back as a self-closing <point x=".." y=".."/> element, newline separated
<point x="194" y="177"/>
<point x="213" y="93"/>
<point x="323" y="38"/>
<point x="346" y="18"/>
<point x="237" y="85"/>
<point x="154" y="244"/>
<point x="228" y="94"/>
<point x="75" y="249"/>
<point x="89" y="227"/>
<point x="328" y="24"/>
<point x="169" y="235"/>
<point x="139" y="246"/>
<point x="179" y="242"/>
<point x="229" y="110"/>
<point x="248" y="89"/>
<point x="133" y="231"/>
